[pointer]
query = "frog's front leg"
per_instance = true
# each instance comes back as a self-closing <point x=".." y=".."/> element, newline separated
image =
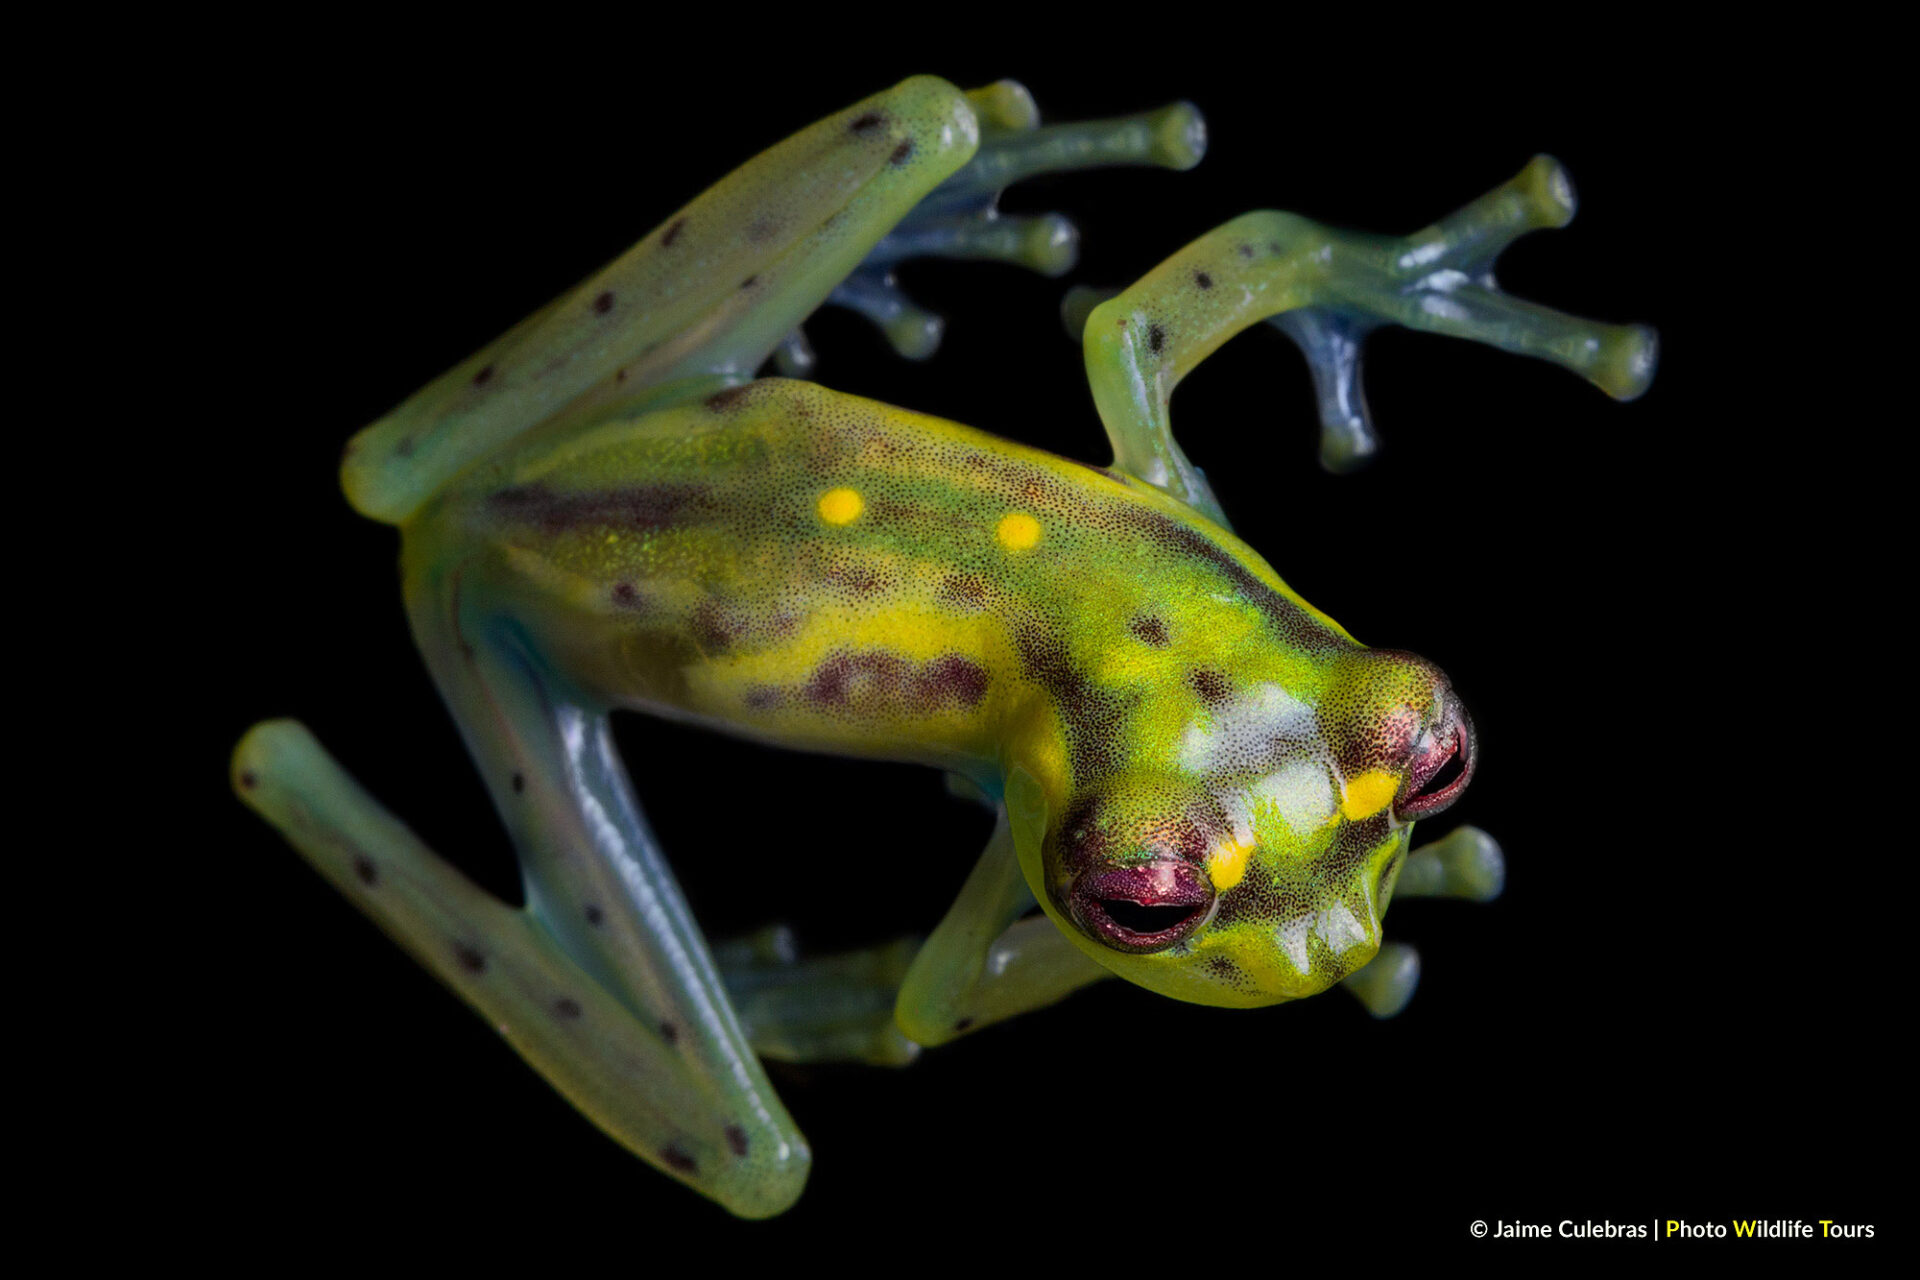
<point x="1465" y="863"/>
<point x="1327" y="289"/>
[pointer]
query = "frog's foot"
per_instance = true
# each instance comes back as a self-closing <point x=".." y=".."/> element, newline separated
<point x="1327" y="290"/>
<point x="961" y="218"/>
<point x="826" y="1009"/>
<point x="1442" y="280"/>
<point x="634" y="1076"/>
<point x="1466" y="863"/>
<point x="1386" y="983"/>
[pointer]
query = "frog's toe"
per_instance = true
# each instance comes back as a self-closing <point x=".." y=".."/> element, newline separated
<point x="1387" y="982"/>
<point x="836" y="1008"/>
<point x="960" y="219"/>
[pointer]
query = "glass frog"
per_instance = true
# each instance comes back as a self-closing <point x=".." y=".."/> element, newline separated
<point x="1201" y="783"/>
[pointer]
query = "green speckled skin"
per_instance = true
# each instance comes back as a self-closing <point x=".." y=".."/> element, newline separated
<point x="1205" y="785"/>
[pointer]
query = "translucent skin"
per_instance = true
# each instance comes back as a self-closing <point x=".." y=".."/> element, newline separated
<point x="1205" y="784"/>
<point x="830" y="573"/>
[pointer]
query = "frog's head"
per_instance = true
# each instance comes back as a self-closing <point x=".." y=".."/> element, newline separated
<point x="1256" y="865"/>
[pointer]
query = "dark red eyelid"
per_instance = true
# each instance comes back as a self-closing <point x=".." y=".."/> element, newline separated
<point x="1457" y="742"/>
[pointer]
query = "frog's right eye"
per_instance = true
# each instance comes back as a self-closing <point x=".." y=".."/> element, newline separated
<point x="1143" y="908"/>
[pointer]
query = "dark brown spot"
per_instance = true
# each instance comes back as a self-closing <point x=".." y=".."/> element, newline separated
<point x="595" y="916"/>
<point x="1202" y="279"/>
<point x="519" y="783"/>
<point x="619" y="375"/>
<point x="1150" y="629"/>
<point x="1156" y="339"/>
<point x="405" y="448"/>
<point x="867" y="122"/>
<point x="483" y="377"/>
<point x="672" y="232"/>
<point x="679" y="1161"/>
<point x="471" y="958"/>
<point x="642" y="507"/>
<point x="627" y="597"/>
<point x="249" y="779"/>
<point x="963" y="1024"/>
<point x="762" y="697"/>
<point x="669" y="1033"/>
<point x="724" y="399"/>
<point x="750" y="281"/>
<point x="902" y="153"/>
<point x="967" y="590"/>
<point x="1092" y="714"/>
<point x="603" y="303"/>
<point x="714" y="627"/>
<point x="364" y="868"/>
<point x="1212" y="686"/>
<point x="1246" y="251"/>
<point x="877" y="681"/>
<point x="737" y="1139"/>
<point x="566" y="1007"/>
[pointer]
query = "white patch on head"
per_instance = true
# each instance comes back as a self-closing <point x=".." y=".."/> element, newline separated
<point x="1336" y="926"/>
<point x="1301" y="794"/>
<point x="1241" y="733"/>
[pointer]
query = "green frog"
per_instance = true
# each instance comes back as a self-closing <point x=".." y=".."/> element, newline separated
<point x="1202" y="784"/>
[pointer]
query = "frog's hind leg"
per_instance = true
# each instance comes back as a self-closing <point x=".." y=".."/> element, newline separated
<point x="835" y="1008"/>
<point x="1467" y="864"/>
<point x="625" y="1073"/>
<point x="1327" y="289"/>
<point x="961" y="218"/>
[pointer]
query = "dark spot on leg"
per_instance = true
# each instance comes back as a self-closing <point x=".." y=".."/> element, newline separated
<point x="737" y="1139"/>
<point x="471" y="958"/>
<point x="867" y="122"/>
<point x="1151" y="630"/>
<point x="672" y="232"/>
<point x="679" y="1161"/>
<point x="249" y="779"/>
<point x="466" y="651"/>
<point x="1202" y="279"/>
<point x="963" y="1024"/>
<point x="902" y="153"/>
<point x="669" y="1033"/>
<point x="603" y="303"/>
<point x="1212" y="686"/>
<point x="483" y="377"/>
<point x="1156" y="339"/>
<point x="595" y="916"/>
<point x="566" y="1007"/>
<point x="364" y="868"/>
<point x="519" y="783"/>
<point x="619" y="375"/>
<point x="405" y="448"/>
<point x="750" y="281"/>
<point x="1246" y="251"/>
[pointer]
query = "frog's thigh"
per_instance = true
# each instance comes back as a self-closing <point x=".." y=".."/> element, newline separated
<point x="710" y="293"/>
<point x="596" y="880"/>
<point x="618" y="1070"/>
<point x="984" y="963"/>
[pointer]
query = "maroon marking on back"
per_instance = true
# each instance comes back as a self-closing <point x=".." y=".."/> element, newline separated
<point x="643" y="507"/>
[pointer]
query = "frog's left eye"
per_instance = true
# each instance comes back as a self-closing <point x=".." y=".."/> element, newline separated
<point x="1441" y="766"/>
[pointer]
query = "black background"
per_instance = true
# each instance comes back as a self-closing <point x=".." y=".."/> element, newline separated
<point x="1676" y="1010"/>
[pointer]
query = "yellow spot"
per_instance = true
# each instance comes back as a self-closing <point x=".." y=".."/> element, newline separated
<point x="1018" y="531"/>
<point x="841" y="506"/>
<point x="1227" y="864"/>
<point x="1368" y="794"/>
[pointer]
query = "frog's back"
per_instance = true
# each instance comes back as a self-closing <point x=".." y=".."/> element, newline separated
<point x="833" y="572"/>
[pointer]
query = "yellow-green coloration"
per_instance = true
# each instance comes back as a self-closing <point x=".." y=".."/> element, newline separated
<point x="1204" y="783"/>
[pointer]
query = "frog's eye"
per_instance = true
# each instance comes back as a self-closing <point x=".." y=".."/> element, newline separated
<point x="1441" y="766"/>
<point x="1145" y="908"/>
